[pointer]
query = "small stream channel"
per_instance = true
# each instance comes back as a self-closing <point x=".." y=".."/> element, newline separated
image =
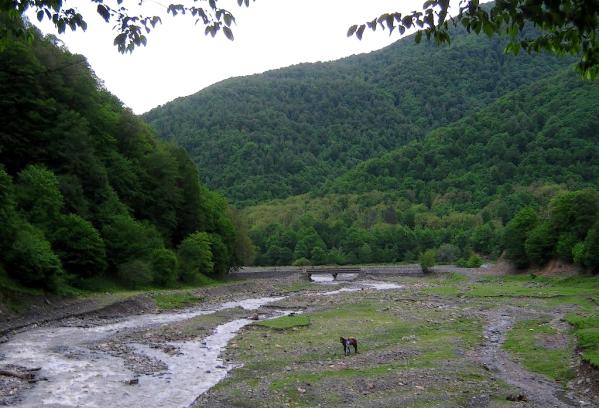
<point x="82" y="377"/>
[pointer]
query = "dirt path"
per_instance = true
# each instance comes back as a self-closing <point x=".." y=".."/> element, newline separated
<point x="536" y="389"/>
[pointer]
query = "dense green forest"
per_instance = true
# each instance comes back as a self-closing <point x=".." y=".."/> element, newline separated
<point x="453" y="191"/>
<point x="287" y="131"/>
<point x="87" y="192"/>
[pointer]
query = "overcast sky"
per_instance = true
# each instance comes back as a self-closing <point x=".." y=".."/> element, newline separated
<point x="180" y="60"/>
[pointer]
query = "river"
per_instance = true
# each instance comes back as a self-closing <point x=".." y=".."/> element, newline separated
<point x="81" y="376"/>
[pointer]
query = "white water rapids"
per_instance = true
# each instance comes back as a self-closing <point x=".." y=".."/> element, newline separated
<point x="80" y="377"/>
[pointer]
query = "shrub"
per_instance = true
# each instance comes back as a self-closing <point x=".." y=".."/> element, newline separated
<point x="427" y="260"/>
<point x="302" y="262"/>
<point x="447" y="253"/>
<point x="473" y="261"/>
<point x="578" y="251"/>
<point x="164" y="267"/>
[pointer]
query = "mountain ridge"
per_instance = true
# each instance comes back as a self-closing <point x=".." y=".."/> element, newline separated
<point x="285" y="131"/>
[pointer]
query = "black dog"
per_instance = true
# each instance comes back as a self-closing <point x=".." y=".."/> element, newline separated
<point x="347" y="343"/>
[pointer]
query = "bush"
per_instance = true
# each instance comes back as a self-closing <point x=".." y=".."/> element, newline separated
<point x="473" y="261"/>
<point x="31" y="260"/>
<point x="427" y="260"/>
<point x="135" y="274"/>
<point x="79" y="246"/>
<point x="447" y="253"/>
<point x="319" y="256"/>
<point x="164" y="267"/>
<point x="578" y="251"/>
<point x="195" y="257"/>
<point x="302" y="262"/>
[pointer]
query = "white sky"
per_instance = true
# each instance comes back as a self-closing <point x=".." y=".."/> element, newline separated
<point x="180" y="60"/>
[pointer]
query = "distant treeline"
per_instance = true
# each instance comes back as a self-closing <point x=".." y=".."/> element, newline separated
<point x="456" y="191"/>
<point x="87" y="191"/>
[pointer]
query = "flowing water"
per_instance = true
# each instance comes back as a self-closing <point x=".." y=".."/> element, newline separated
<point x="79" y="376"/>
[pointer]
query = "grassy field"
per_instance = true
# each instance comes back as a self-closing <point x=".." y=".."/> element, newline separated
<point x="418" y="346"/>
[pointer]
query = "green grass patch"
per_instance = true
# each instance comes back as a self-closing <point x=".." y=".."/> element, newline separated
<point x="528" y="340"/>
<point x="417" y="338"/>
<point x="174" y="300"/>
<point x="286" y="322"/>
<point x="576" y="289"/>
<point x="586" y="330"/>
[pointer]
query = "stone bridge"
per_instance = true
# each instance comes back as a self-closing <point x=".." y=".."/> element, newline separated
<point x="305" y="272"/>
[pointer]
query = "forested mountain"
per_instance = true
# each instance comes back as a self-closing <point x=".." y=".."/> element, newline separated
<point x="86" y="189"/>
<point x="287" y="131"/>
<point x="455" y="190"/>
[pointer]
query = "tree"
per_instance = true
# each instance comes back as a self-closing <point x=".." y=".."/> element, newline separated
<point x="164" y="267"/>
<point x="31" y="260"/>
<point x="131" y="28"/>
<point x="195" y="257"/>
<point x="563" y="27"/>
<point x="38" y="195"/>
<point x="515" y="235"/>
<point x="574" y="212"/>
<point x="539" y="244"/>
<point x="127" y="239"/>
<point x="8" y="214"/>
<point x="79" y="246"/>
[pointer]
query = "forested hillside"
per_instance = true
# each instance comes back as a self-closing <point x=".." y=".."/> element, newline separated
<point x="455" y="190"/>
<point x="287" y="131"/>
<point x="86" y="189"/>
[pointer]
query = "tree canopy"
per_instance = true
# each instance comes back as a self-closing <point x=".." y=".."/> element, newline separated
<point x="87" y="192"/>
<point x="130" y="21"/>
<point x="564" y="27"/>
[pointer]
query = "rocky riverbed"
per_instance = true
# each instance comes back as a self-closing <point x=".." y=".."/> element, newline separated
<point x="420" y="344"/>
